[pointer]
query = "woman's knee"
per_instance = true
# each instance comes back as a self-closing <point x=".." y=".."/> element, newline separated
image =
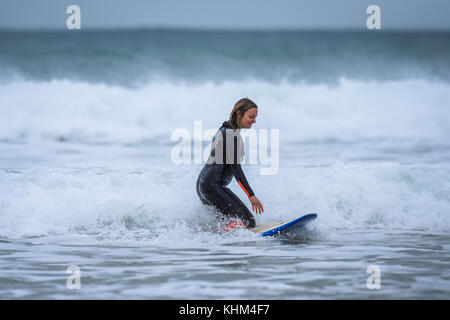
<point x="250" y="221"/>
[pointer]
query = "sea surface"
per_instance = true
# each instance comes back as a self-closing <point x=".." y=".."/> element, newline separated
<point x="103" y="134"/>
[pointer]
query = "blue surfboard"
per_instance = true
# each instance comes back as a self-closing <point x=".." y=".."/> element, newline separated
<point x="268" y="229"/>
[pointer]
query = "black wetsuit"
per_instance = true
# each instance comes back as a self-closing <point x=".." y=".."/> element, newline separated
<point x="219" y="171"/>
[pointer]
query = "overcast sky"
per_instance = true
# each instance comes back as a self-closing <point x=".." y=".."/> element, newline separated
<point x="227" y="14"/>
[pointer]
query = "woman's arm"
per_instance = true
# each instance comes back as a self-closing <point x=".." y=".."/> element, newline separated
<point x="236" y="168"/>
<point x="241" y="180"/>
<point x="239" y="175"/>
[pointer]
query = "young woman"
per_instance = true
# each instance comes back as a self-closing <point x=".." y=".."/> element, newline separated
<point x="227" y="153"/>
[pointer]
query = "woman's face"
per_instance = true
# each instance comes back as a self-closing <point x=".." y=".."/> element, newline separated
<point x="249" y="118"/>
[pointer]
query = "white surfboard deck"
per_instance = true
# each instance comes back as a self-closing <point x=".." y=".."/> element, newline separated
<point x="273" y="228"/>
<point x="265" y="226"/>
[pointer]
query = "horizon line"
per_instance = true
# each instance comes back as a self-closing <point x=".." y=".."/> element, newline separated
<point x="216" y="29"/>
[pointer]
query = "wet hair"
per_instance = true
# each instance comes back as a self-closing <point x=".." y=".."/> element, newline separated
<point x="242" y="105"/>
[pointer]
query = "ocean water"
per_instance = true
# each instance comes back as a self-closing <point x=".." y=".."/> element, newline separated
<point x="89" y="177"/>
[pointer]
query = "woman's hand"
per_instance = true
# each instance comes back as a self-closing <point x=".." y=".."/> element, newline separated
<point x="256" y="204"/>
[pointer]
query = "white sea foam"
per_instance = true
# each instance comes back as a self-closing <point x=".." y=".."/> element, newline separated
<point x="160" y="205"/>
<point x="351" y="111"/>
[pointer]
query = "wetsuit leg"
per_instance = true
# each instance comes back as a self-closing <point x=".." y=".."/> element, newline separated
<point x="226" y="202"/>
<point x="243" y="213"/>
<point x="200" y="194"/>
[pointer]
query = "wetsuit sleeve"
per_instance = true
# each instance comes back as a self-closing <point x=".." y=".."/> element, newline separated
<point x="232" y="158"/>
<point x="241" y="180"/>
<point x="238" y="173"/>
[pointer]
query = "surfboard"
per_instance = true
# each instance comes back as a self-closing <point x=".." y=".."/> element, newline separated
<point x="267" y="229"/>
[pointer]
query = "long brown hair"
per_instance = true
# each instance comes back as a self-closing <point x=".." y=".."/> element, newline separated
<point x="242" y="105"/>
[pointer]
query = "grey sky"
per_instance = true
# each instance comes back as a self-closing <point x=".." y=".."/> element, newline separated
<point x="227" y="14"/>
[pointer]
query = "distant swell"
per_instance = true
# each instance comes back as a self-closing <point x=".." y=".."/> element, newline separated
<point x="134" y="57"/>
